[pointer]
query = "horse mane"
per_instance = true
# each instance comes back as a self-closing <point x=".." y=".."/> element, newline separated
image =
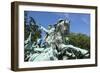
<point x="60" y="28"/>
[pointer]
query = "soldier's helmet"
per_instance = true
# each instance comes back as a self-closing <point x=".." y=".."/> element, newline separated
<point x="49" y="26"/>
<point x="60" y="20"/>
<point x="63" y="20"/>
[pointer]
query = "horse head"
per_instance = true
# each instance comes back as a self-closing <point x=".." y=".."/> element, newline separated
<point x="63" y="26"/>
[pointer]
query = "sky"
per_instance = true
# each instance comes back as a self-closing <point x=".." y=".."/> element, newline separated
<point x="79" y="22"/>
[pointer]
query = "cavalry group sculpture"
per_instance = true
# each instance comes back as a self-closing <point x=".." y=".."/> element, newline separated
<point x="54" y="44"/>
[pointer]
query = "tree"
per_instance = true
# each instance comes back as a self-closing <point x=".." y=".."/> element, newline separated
<point x="79" y="40"/>
<point x="31" y="26"/>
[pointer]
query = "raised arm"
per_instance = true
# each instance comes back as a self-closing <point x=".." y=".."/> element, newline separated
<point x="44" y="29"/>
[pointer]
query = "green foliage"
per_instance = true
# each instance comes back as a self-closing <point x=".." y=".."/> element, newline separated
<point x="31" y="26"/>
<point x="79" y="40"/>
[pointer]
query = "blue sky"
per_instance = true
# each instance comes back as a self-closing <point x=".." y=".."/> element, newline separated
<point x="79" y="22"/>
